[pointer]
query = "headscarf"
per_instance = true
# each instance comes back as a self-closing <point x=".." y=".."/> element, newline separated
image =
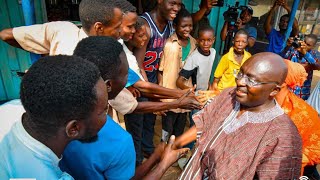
<point x="296" y="74"/>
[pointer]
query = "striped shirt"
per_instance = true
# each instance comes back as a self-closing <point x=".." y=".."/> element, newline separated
<point x="264" y="145"/>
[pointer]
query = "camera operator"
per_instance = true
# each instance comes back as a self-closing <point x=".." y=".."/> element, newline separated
<point x="276" y="38"/>
<point x="302" y="51"/>
<point x="242" y="23"/>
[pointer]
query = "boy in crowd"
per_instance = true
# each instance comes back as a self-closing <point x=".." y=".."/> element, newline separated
<point x="231" y="62"/>
<point x="65" y="99"/>
<point x="177" y="48"/>
<point x="159" y="28"/>
<point x="306" y="55"/>
<point x="199" y="64"/>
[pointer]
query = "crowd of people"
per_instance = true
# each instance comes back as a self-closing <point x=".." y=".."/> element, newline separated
<point x="250" y="122"/>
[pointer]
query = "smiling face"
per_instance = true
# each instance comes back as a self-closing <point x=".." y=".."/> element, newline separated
<point x="240" y="42"/>
<point x="262" y="67"/>
<point x="169" y="8"/>
<point x="184" y="27"/>
<point x="139" y="38"/>
<point x="245" y="16"/>
<point x="128" y="25"/>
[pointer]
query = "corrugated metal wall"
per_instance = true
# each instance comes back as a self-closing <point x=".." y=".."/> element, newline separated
<point x="14" y="59"/>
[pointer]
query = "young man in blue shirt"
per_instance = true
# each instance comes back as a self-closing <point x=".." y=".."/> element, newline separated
<point x="276" y="38"/>
<point x="65" y="99"/>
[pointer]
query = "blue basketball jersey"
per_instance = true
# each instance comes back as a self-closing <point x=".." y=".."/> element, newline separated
<point x="155" y="47"/>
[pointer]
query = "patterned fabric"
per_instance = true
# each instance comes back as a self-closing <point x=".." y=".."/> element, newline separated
<point x="155" y="47"/>
<point x="311" y="57"/>
<point x="266" y="149"/>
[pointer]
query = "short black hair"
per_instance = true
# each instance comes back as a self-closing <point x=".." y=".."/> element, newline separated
<point x="206" y="28"/>
<point x="181" y="14"/>
<point x="140" y="22"/>
<point x="103" y="52"/>
<point x="57" y="89"/>
<point x="313" y="37"/>
<point x="286" y="15"/>
<point x="92" y="11"/>
<point x="242" y="31"/>
<point x="125" y="6"/>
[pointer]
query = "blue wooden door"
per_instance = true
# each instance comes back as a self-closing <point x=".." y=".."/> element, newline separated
<point x="13" y="59"/>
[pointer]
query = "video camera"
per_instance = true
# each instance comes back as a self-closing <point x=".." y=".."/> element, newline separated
<point x="296" y="44"/>
<point x="232" y="14"/>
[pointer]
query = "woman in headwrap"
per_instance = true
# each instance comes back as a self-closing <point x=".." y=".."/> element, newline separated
<point x="302" y="114"/>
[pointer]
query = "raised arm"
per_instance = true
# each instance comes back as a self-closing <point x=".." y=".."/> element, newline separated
<point x="295" y="27"/>
<point x="205" y="6"/>
<point x="267" y="23"/>
<point x="6" y="35"/>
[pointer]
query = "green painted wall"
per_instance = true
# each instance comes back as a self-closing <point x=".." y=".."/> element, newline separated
<point x="14" y="59"/>
<point x="216" y="21"/>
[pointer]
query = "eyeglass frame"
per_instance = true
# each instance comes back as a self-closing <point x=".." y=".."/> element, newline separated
<point x="249" y="81"/>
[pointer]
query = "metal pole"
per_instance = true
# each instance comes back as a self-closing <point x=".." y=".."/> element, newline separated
<point x="291" y="20"/>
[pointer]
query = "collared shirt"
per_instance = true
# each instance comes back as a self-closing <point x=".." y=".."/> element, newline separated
<point x="11" y="112"/>
<point x="62" y="37"/>
<point x="276" y="40"/>
<point x="111" y="156"/>
<point x="22" y="156"/>
<point x="171" y="63"/>
<point x="227" y="68"/>
<point x="311" y="57"/>
<point x="264" y="144"/>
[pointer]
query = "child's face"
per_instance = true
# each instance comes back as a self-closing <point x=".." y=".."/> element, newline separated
<point x="139" y="38"/>
<point x="240" y="42"/>
<point x="127" y="27"/>
<point x="205" y="40"/>
<point x="184" y="27"/>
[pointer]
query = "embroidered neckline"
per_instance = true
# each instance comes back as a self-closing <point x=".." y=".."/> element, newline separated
<point x="252" y="117"/>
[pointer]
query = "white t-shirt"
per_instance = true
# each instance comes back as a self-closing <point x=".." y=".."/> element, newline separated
<point x="200" y="67"/>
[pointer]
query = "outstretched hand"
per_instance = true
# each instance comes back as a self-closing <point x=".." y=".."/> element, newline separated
<point x="188" y="100"/>
<point x="204" y="96"/>
<point x="171" y="155"/>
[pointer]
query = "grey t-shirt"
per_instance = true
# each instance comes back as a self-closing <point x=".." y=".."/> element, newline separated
<point x="199" y="67"/>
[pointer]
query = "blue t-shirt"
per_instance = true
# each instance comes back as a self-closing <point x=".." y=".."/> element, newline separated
<point x="133" y="77"/>
<point x="252" y="31"/>
<point x="111" y="157"/>
<point x="22" y="156"/>
<point x="276" y="40"/>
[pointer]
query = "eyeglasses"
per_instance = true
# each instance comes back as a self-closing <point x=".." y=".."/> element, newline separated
<point x="250" y="82"/>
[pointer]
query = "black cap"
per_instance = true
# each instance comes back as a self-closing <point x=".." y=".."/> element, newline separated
<point x="250" y="10"/>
